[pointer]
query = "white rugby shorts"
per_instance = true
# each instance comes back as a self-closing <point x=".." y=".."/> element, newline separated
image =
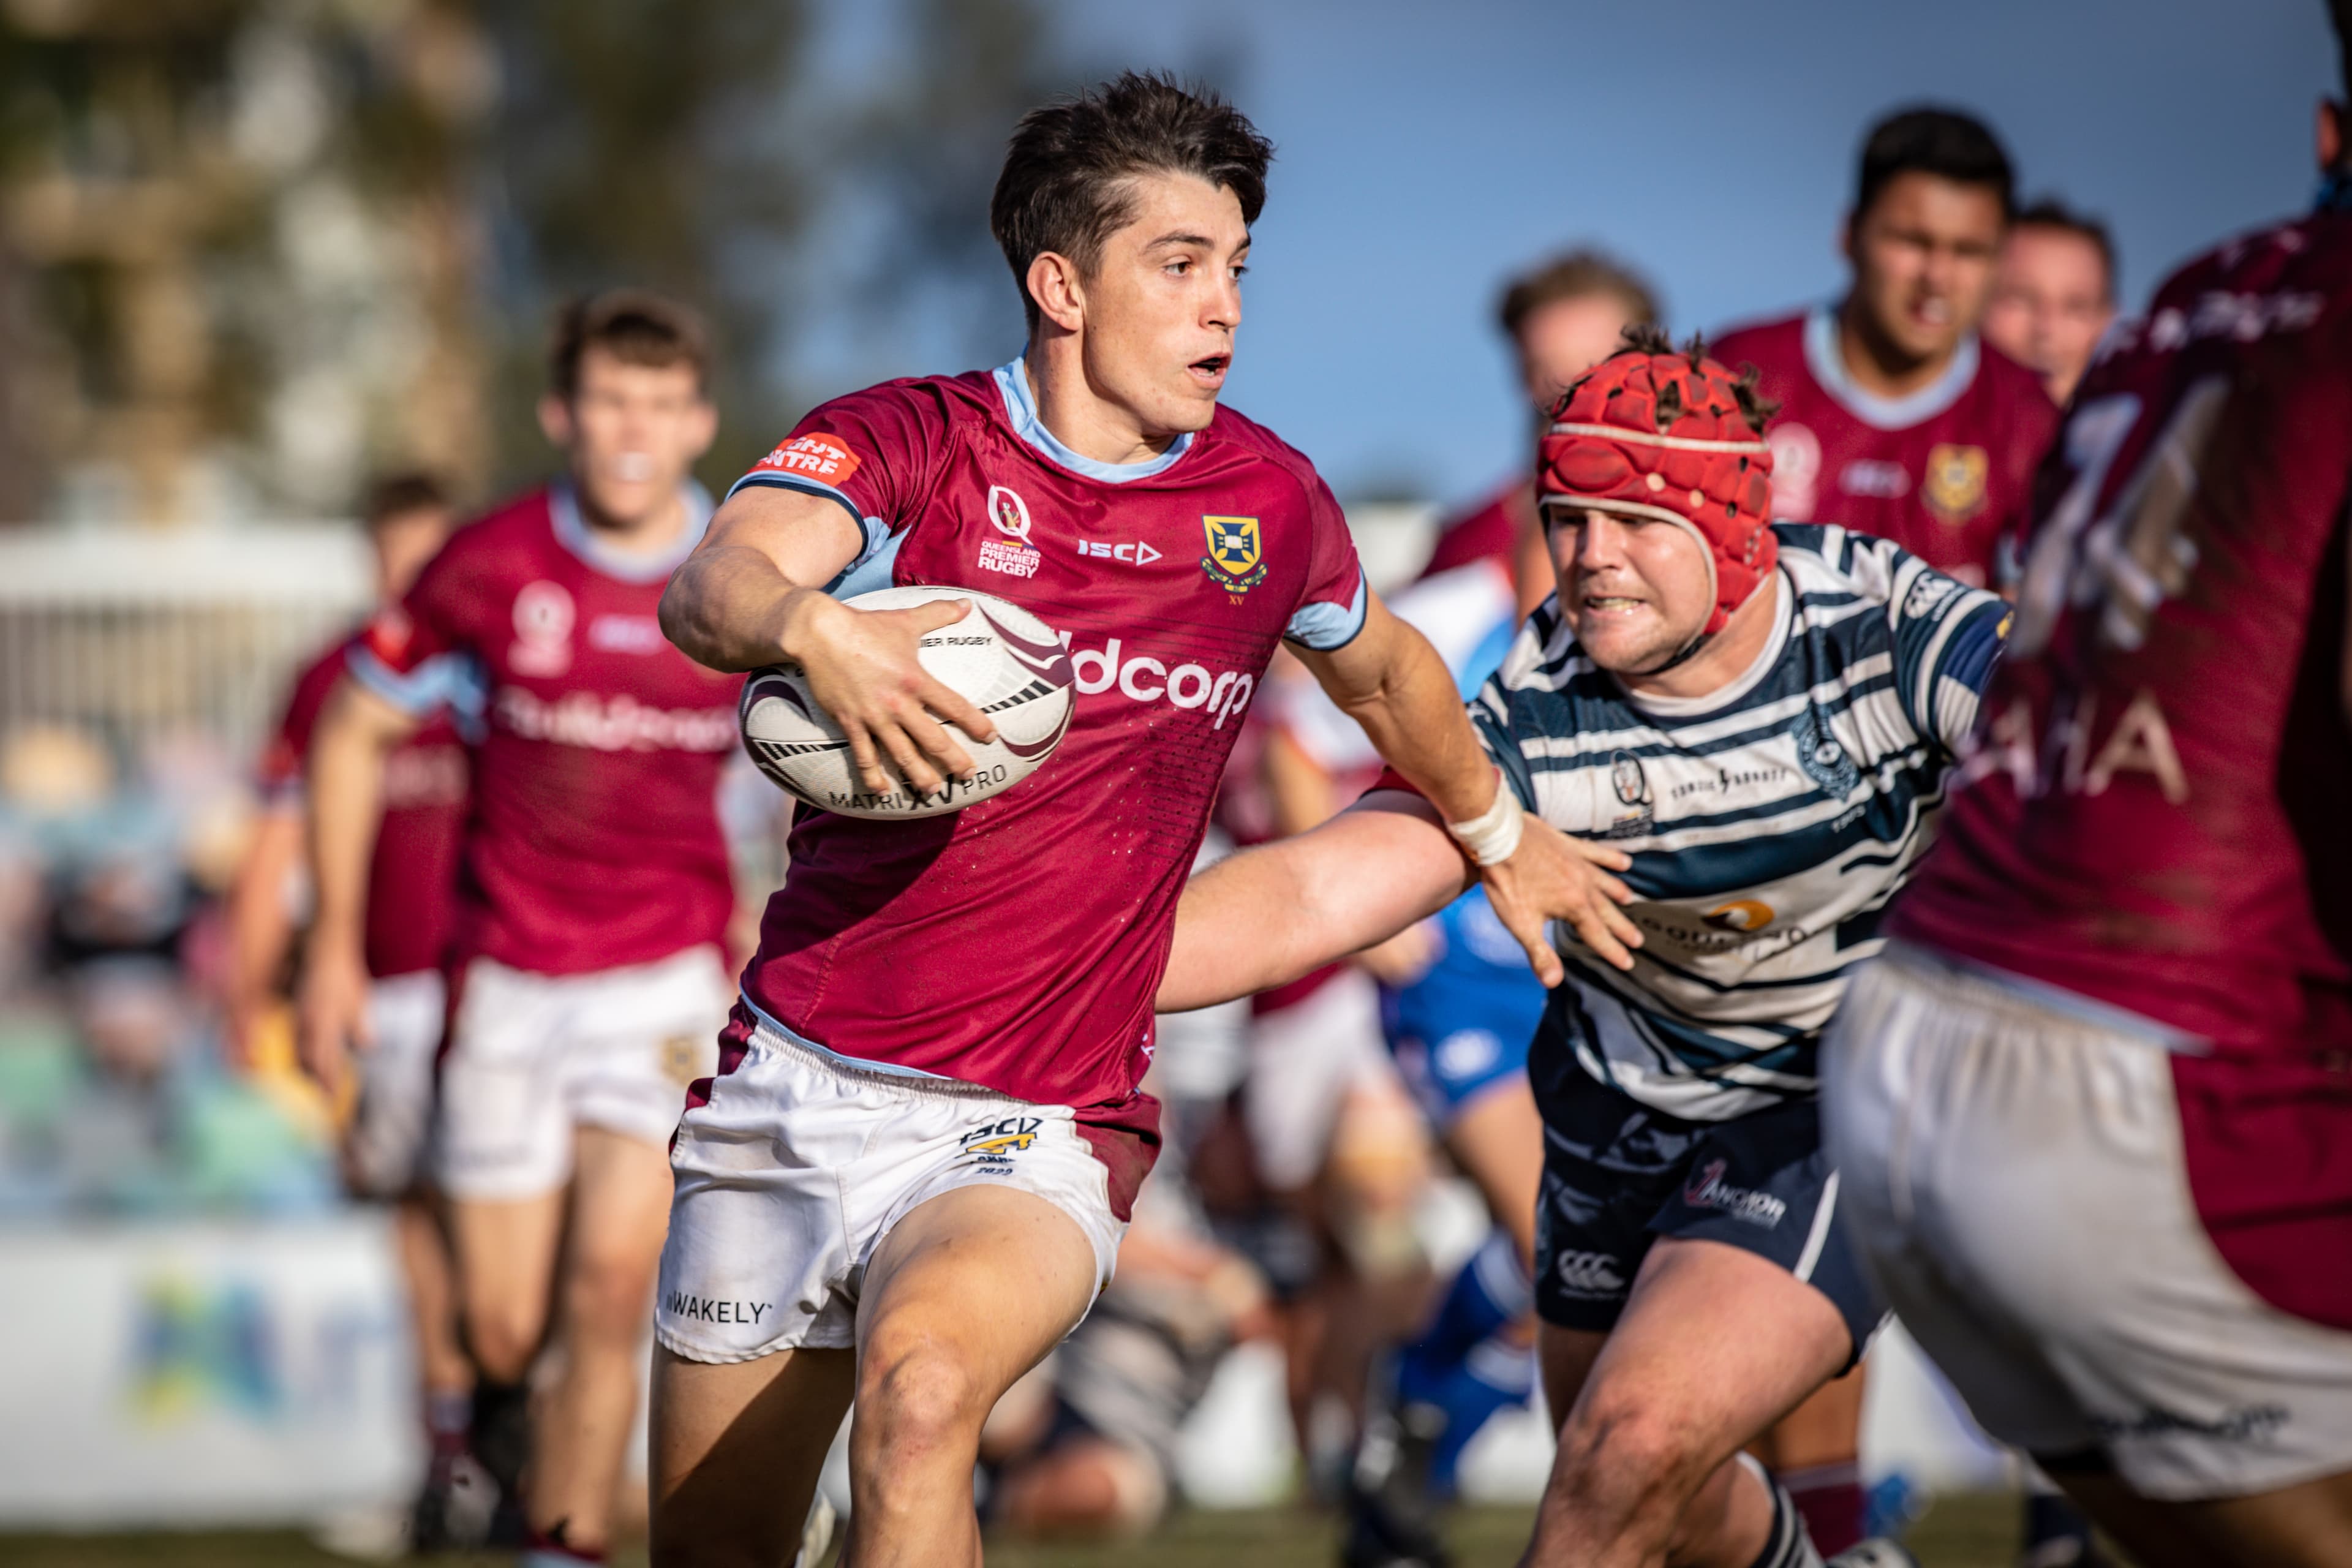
<point x="533" y="1057"/>
<point x="1304" y="1061"/>
<point x="384" y="1146"/>
<point x="2013" y="1171"/>
<point x="800" y="1161"/>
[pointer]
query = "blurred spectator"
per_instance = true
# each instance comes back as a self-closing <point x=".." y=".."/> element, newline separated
<point x="2053" y="293"/>
<point x="126" y="1111"/>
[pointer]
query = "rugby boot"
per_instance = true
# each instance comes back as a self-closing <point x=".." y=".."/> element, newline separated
<point x="1392" y="1515"/>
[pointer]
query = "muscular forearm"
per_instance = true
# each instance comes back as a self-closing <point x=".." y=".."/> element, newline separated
<point x="732" y="608"/>
<point x="1267" y="916"/>
<point x="259" y="926"/>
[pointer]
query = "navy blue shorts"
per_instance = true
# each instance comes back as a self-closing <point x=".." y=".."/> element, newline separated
<point x="1618" y="1175"/>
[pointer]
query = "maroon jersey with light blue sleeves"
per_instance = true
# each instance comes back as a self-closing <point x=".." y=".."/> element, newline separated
<point x="412" y="879"/>
<point x="594" y="839"/>
<point x="1946" y="473"/>
<point x="1017" y="943"/>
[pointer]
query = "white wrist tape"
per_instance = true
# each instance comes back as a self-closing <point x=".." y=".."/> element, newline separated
<point x="1492" y="835"/>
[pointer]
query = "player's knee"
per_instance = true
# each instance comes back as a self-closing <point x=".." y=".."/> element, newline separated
<point x="1625" y="1459"/>
<point x="502" y="1337"/>
<point x="916" y="1393"/>
<point x="609" y="1298"/>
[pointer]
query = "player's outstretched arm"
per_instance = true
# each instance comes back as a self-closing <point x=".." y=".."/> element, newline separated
<point x="1269" y="915"/>
<point x="356" y="731"/>
<point x="1390" y="680"/>
<point x="752" y="594"/>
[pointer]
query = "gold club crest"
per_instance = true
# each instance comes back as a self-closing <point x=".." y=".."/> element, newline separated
<point x="1234" y="561"/>
<point x="1955" y="491"/>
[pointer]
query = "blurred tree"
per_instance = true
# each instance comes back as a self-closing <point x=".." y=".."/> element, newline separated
<point x="639" y="142"/>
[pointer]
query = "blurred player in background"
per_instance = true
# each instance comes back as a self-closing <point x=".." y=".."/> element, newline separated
<point x="1895" y="417"/>
<point x="1750" y="723"/>
<point x="910" y="1177"/>
<point x="1563" y="318"/>
<point x="2095" y="1107"/>
<point x="588" y="972"/>
<point x="2053" y="294"/>
<point x="411" y="896"/>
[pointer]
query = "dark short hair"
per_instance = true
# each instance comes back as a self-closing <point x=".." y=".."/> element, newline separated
<point x="1576" y="275"/>
<point x="2340" y="13"/>
<point x="1940" y="142"/>
<point x="633" y="327"/>
<point x="400" y="492"/>
<point x="1062" y="186"/>
<point x="2049" y="212"/>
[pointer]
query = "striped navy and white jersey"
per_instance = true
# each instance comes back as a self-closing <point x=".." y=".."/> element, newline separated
<point x="1769" y="823"/>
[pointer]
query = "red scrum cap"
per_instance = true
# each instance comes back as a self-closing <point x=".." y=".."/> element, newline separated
<point x="1672" y="435"/>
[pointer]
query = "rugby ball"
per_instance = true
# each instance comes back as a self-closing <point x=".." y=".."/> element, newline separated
<point x="1010" y="664"/>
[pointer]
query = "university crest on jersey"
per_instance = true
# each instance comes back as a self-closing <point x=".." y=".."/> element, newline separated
<point x="1234" y="563"/>
<point x="1955" y="491"/>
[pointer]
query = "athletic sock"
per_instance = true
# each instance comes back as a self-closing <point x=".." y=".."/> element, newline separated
<point x="1460" y="1370"/>
<point x="448" y="1416"/>
<point x="1830" y="1497"/>
<point x="501" y="1431"/>
<point x="2056" y="1533"/>
<point x="1786" y="1544"/>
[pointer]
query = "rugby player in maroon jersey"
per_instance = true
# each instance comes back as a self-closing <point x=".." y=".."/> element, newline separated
<point x="1895" y="417"/>
<point x="412" y="890"/>
<point x="587" y="972"/>
<point x="909" y="1176"/>
<point x="2094" y="1108"/>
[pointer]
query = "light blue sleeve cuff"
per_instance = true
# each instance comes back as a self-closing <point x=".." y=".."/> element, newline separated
<point x="1324" y="627"/>
<point x="451" y="681"/>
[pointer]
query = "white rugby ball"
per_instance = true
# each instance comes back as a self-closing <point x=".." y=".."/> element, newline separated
<point x="1007" y="662"/>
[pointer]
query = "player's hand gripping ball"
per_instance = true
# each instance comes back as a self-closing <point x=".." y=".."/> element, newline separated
<point x="1008" y="663"/>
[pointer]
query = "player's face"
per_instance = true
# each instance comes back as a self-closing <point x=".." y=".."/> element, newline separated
<point x="1164" y="300"/>
<point x="2050" y="303"/>
<point x="1561" y="340"/>
<point x="404" y="542"/>
<point x="631" y="432"/>
<point x="1923" y="258"/>
<point x="1635" y="590"/>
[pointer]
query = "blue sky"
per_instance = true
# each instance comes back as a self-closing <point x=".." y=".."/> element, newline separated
<point x="1428" y="151"/>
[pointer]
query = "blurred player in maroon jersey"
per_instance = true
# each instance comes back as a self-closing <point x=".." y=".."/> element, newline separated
<point x="2053" y="294"/>
<point x="587" y="971"/>
<point x="1895" y="418"/>
<point x="2094" y="1108"/>
<point x="1563" y="318"/>
<point x="412" y="887"/>
<point x="910" y="1176"/>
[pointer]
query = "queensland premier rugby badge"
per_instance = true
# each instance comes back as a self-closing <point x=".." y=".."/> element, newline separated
<point x="1234" y="561"/>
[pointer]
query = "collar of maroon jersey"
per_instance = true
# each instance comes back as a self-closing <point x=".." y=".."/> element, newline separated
<point x="1021" y="411"/>
<point x="1827" y="361"/>
<point x="2334" y="192"/>
<point x="572" y="531"/>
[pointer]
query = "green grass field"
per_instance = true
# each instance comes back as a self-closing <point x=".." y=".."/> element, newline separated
<point x="1959" y="1532"/>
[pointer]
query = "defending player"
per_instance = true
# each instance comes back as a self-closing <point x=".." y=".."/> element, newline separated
<point x="2094" y="1108"/>
<point x="1895" y="418"/>
<point x="412" y="891"/>
<point x="910" y="1176"/>
<point x="1750" y="723"/>
<point x="1563" y="318"/>
<point x="2053" y="294"/>
<point x="589" y="975"/>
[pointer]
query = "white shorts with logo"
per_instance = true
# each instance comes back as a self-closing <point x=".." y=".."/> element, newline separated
<point x="1304" y="1061"/>
<point x="2014" y="1174"/>
<point x="802" y="1161"/>
<point x="392" y="1120"/>
<point x="533" y="1057"/>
